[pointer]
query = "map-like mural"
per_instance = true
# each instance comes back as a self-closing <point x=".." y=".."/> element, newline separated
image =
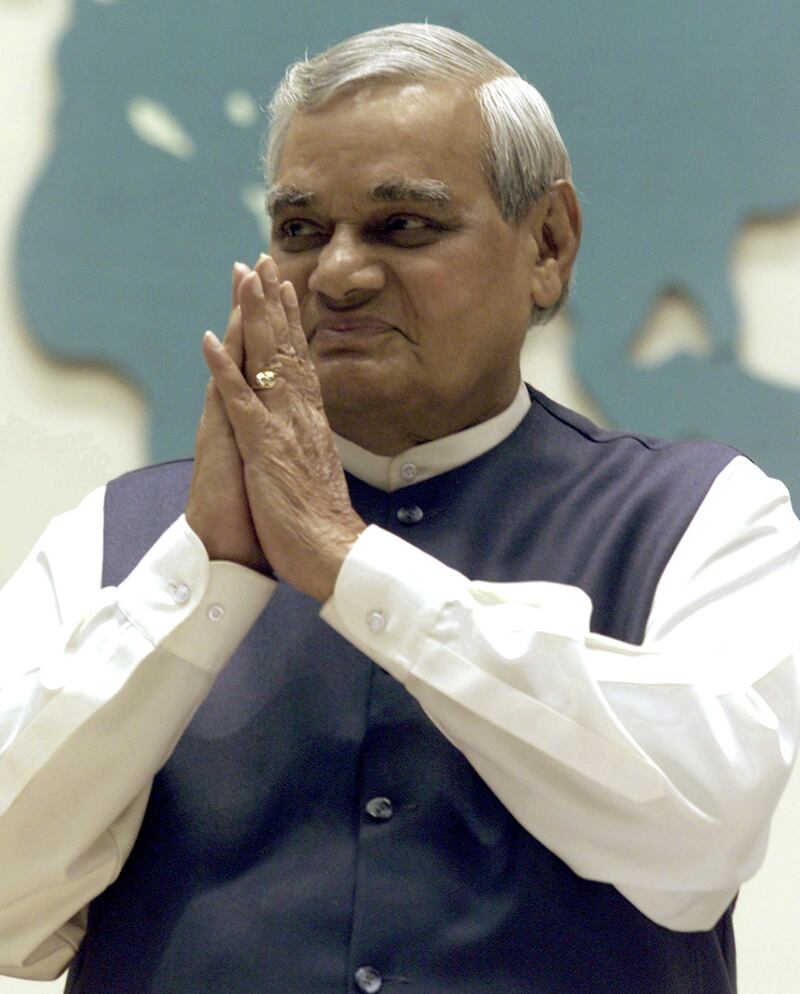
<point x="682" y="119"/>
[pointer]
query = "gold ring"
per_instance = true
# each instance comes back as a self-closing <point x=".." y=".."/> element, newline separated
<point x="266" y="379"/>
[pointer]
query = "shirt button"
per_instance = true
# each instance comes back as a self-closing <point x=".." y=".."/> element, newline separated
<point x="410" y="515"/>
<point x="376" y="621"/>
<point x="379" y="808"/>
<point x="368" y="980"/>
<point x="216" y="612"/>
<point x="180" y="592"/>
<point x="408" y="472"/>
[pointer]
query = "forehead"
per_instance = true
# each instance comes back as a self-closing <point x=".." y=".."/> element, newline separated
<point x="383" y="131"/>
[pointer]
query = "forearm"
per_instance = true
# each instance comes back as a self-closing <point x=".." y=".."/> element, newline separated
<point x="88" y="722"/>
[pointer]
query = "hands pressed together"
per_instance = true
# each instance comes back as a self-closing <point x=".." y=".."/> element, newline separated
<point x="268" y="489"/>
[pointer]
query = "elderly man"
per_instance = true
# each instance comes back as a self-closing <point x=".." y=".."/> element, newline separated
<point x="532" y="741"/>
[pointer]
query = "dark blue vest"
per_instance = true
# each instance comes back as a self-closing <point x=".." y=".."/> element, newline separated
<point x="262" y="867"/>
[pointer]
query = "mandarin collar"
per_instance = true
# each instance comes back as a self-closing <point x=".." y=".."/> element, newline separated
<point x="421" y="462"/>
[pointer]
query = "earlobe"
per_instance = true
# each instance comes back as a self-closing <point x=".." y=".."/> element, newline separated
<point x="556" y="228"/>
<point x="546" y="284"/>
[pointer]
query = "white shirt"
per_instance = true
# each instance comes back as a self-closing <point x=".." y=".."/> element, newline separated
<point x="653" y="768"/>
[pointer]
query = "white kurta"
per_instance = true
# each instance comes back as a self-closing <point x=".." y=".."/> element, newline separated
<point x="655" y="768"/>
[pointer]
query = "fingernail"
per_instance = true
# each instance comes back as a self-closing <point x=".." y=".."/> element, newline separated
<point x="270" y="269"/>
<point x="239" y="267"/>
<point x="288" y="295"/>
<point x="212" y="340"/>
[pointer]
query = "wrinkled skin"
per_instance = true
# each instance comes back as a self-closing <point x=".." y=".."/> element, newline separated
<point x="404" y="314"/>
<point x="269" y="490"/>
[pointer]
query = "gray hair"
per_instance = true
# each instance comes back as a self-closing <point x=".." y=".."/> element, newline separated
<point x="524" y="154"/>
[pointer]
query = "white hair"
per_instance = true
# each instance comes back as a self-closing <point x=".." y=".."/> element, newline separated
<point x="524" y="154"/>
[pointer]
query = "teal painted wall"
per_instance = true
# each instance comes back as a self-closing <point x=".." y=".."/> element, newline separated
<point x="683" y="121"/>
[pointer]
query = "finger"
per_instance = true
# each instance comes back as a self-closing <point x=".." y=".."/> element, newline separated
<point x="240" y="270"/>
<point x="292" y="310"/>
<point x="214" y="419"/>
<point x="303" y="366"/>
<point x="244" y="411"/>
<point x="233" y="330"/>
<point x="214" y="411"/>
<point x="270" y="282"/>
<point x="233" y="341"/>
<point x="257" y="335"/>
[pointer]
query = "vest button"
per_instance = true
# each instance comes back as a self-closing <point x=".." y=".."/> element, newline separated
<point x="368" y="980"/>
<point x="408" y="472"/>
<point x="379" y="808"/>
<point x="410" y="515"/>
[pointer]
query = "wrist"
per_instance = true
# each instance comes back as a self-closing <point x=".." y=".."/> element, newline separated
<point x="332" y="561"/>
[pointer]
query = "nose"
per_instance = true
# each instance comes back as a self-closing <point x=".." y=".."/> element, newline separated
<point x="346" y="269"/>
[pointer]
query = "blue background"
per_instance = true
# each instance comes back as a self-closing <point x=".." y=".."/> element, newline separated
<point x="682" y="119"/>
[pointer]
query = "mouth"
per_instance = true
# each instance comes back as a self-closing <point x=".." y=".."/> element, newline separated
<point x="342" y="325"/>
<point x="349" y="332"/>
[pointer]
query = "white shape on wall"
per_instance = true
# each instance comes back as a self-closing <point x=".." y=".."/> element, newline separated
<point x="156" y="125"/>
<point x="766" y="278"/>
<point x="253" y="200"/>
<point x="241" y="109"/>
<point x="674" y="327"/>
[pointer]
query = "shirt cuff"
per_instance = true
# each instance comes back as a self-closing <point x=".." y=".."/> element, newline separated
<point x="194" y="608"/>
<point x="390" y="597"/>
<point x="436" y="632"/>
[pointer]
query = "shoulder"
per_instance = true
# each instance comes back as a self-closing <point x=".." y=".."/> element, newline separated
<point x="688" y="465"/>
<point x="139" y="506"/>
<point x="157" y="490"/>
<point x="176" y="472"/>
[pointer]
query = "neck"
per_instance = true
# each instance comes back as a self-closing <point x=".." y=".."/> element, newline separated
<point x="388" y="433"/>
<point x="379" y="440"/>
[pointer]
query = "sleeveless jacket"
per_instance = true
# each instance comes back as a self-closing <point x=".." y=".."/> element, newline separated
<point x="314" y="833"/>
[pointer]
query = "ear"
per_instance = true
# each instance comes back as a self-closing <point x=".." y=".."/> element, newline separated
<point x="555" y="224"/>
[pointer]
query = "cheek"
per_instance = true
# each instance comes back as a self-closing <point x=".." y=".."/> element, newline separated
<point x="296" y="270"/>
<point x="463" y="291"/>
<point x="473" y="311"/>
<point x="293" y="268"/>
<point x="441" y="285"/>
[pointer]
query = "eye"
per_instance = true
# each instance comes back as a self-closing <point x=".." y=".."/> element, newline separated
<point x="406" y="222"/>
<point x="296" y="228"/>
<point x="298" y="234"/>
<point x="410" y="230"/>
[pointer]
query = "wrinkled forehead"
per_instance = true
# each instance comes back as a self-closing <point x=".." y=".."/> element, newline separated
<point x="430" y="193"/>
<point x="421" y="133"/>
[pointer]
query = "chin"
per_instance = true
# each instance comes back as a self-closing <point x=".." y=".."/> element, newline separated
<point x="359" y="381"/>
<point x="356" y="395"/>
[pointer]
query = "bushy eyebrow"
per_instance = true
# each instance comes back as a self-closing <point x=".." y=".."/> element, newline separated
<point x="422" y="191"/>
<point x="280" y="197"/>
